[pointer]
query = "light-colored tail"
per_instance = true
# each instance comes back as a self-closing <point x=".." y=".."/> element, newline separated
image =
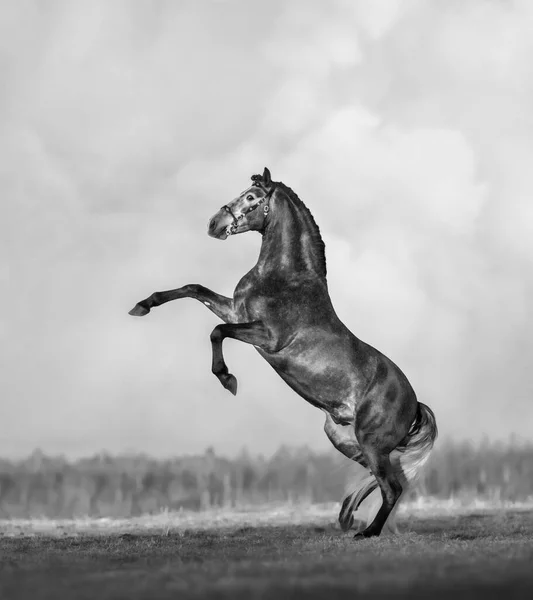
<point x="411" y="455"/>
<point x="407" y="461"/>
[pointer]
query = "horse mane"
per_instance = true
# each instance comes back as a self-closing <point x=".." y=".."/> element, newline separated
<point x="316" y="238"/>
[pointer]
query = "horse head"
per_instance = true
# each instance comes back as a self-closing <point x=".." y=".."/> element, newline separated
<point x="241" y="214"/>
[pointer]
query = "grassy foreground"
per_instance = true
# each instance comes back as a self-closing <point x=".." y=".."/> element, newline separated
<point x="444" y="552"/>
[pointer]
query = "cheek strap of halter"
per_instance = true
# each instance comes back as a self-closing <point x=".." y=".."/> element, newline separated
<point x="266" y="197"/>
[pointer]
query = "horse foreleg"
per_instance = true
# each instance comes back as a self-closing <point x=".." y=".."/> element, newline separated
<point x="251" y="333"/>
<point x="220" y="305"/>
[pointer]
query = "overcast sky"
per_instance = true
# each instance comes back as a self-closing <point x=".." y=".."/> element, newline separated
<point x="406" y="127"/>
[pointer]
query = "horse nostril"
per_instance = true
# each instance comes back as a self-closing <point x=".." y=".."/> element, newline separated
<point x="212" y="225"/>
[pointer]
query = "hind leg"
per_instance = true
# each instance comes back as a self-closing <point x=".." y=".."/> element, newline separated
<point x="343" y="438"/>
<point x="382" y="422"/>
<point x="389" y="483"/>
<point x="390" y="524"/>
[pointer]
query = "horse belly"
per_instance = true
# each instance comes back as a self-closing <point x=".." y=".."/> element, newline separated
<point x="325" y="377"/>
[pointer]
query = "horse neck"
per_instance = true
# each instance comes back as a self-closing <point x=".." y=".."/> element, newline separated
<point x="290" y="242"/>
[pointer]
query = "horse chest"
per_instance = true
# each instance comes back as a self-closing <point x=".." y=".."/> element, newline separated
<point x="254" y="299"/>
<point x="250" y="308"/>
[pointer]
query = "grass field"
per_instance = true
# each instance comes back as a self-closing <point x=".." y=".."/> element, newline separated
<point x="298" y="552"/>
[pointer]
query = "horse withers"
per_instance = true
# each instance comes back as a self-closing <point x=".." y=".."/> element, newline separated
<point x="283" y="308"/>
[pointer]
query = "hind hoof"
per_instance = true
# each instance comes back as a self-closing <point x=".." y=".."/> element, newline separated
<point x="139" y="311"/>
<point x="229" y="381"/>
<point x="366" y="533"/>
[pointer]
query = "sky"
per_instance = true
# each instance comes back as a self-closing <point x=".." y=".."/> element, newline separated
<point x="405" y="127"/>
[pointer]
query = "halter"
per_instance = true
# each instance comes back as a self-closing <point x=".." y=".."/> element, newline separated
<point x="235" y="223"/>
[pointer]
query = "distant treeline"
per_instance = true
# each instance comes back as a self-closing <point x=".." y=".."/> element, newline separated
<point x="124" y="486"/>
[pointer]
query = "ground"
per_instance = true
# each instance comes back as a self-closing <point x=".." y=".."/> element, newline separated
<point x="285" y="552"/>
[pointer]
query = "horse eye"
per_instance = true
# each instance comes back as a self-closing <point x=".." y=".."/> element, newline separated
<point x="249" y="197"/>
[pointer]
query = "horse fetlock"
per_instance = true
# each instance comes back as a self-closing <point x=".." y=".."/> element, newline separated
<point x="219" y="368"/>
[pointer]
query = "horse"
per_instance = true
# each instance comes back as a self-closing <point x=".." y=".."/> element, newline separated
<point x="282" y="307"/>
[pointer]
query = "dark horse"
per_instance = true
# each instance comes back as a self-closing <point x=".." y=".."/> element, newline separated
<point x="282" y="307"/>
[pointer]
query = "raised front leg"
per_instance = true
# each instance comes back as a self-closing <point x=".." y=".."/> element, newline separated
<point x="252" y="333"/>
<point x="220" y="305"/>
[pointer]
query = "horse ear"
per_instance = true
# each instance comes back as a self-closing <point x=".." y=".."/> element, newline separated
<point x="266" y="177"/>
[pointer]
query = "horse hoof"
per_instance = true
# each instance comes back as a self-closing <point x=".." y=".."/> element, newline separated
<point x="365" y="534"/>
<point x="139" y="311"/>
<point x="230" y="383"/>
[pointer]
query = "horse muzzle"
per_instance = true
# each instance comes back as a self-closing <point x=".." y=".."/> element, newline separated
<point x="217" y="228"/>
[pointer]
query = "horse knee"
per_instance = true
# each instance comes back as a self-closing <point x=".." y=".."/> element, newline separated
<point x="216" y="335"/>
<point x="155" y="299"/>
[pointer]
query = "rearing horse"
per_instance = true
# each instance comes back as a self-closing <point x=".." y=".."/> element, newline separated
<point x="282" y="307"/>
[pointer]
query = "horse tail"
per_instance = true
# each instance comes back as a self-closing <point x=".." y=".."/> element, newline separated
<point x="414" y="451"/>
<point x="407" y="460"/>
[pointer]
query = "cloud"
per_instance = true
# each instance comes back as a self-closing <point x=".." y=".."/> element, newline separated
<point x="405" y="128"/>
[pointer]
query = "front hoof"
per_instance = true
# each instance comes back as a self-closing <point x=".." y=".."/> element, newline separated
<point x="139" y="311"/>
<point x="229" y="381"/>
